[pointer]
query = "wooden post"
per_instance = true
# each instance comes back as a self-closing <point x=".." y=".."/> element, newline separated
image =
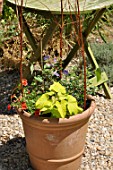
<point x="1" y="6"/>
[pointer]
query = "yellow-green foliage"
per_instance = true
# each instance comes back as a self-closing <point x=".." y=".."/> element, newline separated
<point x="58" y="102"/>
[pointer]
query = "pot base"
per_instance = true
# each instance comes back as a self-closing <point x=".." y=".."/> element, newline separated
<point x="56" y="144"/>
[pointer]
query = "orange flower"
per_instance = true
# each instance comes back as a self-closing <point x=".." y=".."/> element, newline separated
<point x="23" y="106"/>
<point x="8" y="107"/>
<point x="24" y="82"/>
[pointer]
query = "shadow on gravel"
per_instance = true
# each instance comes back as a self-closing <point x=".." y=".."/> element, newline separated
<point x="13" y="155"/>
<point x="8" y="80"/>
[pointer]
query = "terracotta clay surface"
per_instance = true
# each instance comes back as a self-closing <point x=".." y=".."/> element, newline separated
<point x="56" y="144"/>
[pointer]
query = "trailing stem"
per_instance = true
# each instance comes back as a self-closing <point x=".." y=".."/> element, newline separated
<point x="83" y="55"/>
<point x="21" y="42"/>
<point x="42" y="65"/>
<point x="61" y="38"/>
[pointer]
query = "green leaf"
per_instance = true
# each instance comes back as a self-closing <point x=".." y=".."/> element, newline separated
<point x="57" y="87"/>
<point x="72" y="106"/>
<point x="31" y="69"/>
<point x="38" y="78"/>
<point x="80" y="110"/>
<point x="46" y="112"/>
<point x="55" y="113"/>
<point x="51" y="93"/>
<point x="61" y="109"/>
<point x="71" y="99"/>
<point x="74" y="109"/>
<point x="98" y="74"/>
<point x="43" y="101"/>
<point x="44" y="109"/>
<point x="63" y="105"/>
<point x="62" y="96"/>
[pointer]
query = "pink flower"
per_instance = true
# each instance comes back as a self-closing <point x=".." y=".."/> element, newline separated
<point x="24" y="82"/>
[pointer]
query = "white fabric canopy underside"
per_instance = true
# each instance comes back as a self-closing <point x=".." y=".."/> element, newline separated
<point x="55" y="5"/>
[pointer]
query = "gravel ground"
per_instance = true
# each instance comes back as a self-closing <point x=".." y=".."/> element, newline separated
<point x="99" y="141"/>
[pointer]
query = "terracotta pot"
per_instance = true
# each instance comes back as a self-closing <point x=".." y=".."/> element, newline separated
<point x="56" y="144"/>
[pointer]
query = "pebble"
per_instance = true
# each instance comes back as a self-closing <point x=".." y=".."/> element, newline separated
<point x="99" y="139"/>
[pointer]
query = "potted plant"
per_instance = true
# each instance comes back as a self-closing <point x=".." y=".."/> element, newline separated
<point x="55" y="111"/>
<point x="55" y="125"/>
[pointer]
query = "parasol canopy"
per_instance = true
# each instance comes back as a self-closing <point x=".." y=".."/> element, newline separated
<point x="55" y="5"/>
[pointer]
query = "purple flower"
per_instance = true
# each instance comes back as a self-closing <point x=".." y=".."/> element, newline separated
<point x="46" y="57"/>
<point x="56" y="74"/>
<point x="73" y="94"/>
<point x="55" y="60"/>
<point x="65" y="72"/>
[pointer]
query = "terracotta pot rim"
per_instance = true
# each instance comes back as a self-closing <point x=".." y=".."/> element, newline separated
<point x="85" y="115"/>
